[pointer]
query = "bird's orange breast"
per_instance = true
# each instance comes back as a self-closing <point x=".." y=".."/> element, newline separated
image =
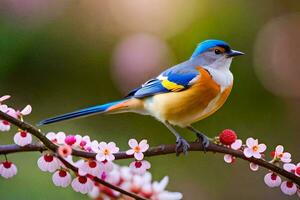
<point x="188" y="106"/>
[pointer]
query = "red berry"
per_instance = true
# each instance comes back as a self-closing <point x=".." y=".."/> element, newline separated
<point x="227" y="137"/>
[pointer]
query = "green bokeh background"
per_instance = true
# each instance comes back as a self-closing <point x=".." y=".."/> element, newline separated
<point x="52" y="67"/>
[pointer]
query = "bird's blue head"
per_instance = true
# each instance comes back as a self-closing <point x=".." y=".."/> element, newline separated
<point x="210" y="51"/>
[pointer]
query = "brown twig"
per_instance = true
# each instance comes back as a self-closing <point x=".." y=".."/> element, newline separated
<point x="154" y="151"/>
<point x="50" y="146"/>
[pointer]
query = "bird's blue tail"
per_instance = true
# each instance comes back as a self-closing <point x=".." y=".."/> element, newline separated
<point x="83" y="112"/>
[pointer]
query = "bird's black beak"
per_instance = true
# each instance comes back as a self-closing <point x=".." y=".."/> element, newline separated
<point x="234" y="53"/>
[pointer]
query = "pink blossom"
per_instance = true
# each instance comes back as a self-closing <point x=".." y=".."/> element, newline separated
<point x="8" y="169"/>
<point x="64" y="151"/>
<point x="4" y="125"/>
<point x="160" y="193"/>
<point x="140" y="167"/>
<point x="114" y="177"/>
<point x="105" y="151"/>
<point x="82" y="184"/>
<point x="94" y="193"/>
<point x="49" y="163"/>
<point x="61" y="178"/>
<point x="106" y="166"/>
<point x="12" y="112"/>
<point x="283" y="156"/>
<point x="254" y="167"/>
<point x="3" y="98"/>
<point x="70" y="140"/>
<point x="272" y="180"/>
<point x="91" y="167"/>
<point x="295" y="169"/>
<point x="254" y="149"/>
<point x="57" y="138"/>
<point x="236" y="146"/>
<point x="26" y="111"/>
<point x="83" y="142"/>
<point x="22" y="138"/>
<point x="288" y="188"/>
<point x="137" y="149"/>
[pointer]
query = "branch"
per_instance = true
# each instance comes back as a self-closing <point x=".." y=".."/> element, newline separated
<point x="51" y="146"/>
<point x="154" y="151"/>
<point x="167" y="149"/>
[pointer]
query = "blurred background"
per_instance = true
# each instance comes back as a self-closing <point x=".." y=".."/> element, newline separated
<point x="63" y="55"/>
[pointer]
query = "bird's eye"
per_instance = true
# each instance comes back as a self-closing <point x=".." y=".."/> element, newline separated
<point x="217" y="51"/>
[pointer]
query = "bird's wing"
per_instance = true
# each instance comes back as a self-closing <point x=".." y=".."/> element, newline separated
<point x="175" y="79"/>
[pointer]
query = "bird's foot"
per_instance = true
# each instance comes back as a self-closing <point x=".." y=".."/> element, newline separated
<point x="181" y="143"/>
<point x="204" y="140"/>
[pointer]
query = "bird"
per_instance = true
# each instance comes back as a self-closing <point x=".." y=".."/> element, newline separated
<point x="178" y="97"/>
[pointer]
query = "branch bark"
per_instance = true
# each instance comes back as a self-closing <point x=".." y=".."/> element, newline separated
<point x="154" y="151"/>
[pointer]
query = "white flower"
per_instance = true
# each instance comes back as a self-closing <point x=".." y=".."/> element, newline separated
<point x="140" y="167"/>
<point x="272" y="180"/>
<point x="254" y="167"/>
<point x="254" y="149"/>
<point x="8" y="169"/>
<point x="82" y="184"/>
<point x="61" y="178"/>
<point x="288" y="188"/>
<point x="105" y="151"/>
<point x="236" y="146"/>
<point x="48" y="163"/>
<point x="91" y="167"/>
<point x="283" y="156"/>
<point x="137" y="149"/>
<point x="22" y="138"/>
<point x="4" y="125"/>
<point x="57" y="138"/>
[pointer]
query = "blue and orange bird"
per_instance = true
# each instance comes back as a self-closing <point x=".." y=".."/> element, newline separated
<point x="181" y="95"/>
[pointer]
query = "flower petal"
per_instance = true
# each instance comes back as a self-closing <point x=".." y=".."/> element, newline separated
<point x="132" y="143"/>
<point x="139" y="156"/>
<point x="247" y="152"/>
<point x="130" y="152"/>
<point x="261" y="148"/>
<point x="279" y="149"/>
<point x="250" y="142"/>
<point x="228" y="158"/>
<point x="237" y="144"/>
<point x="27" y="110"/>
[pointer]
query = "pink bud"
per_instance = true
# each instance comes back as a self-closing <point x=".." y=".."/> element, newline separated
<point x="70" y="140"/>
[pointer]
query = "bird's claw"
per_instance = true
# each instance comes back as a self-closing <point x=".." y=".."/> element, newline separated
<point x="181" y="143"/>
<point x="204" y="141"/>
